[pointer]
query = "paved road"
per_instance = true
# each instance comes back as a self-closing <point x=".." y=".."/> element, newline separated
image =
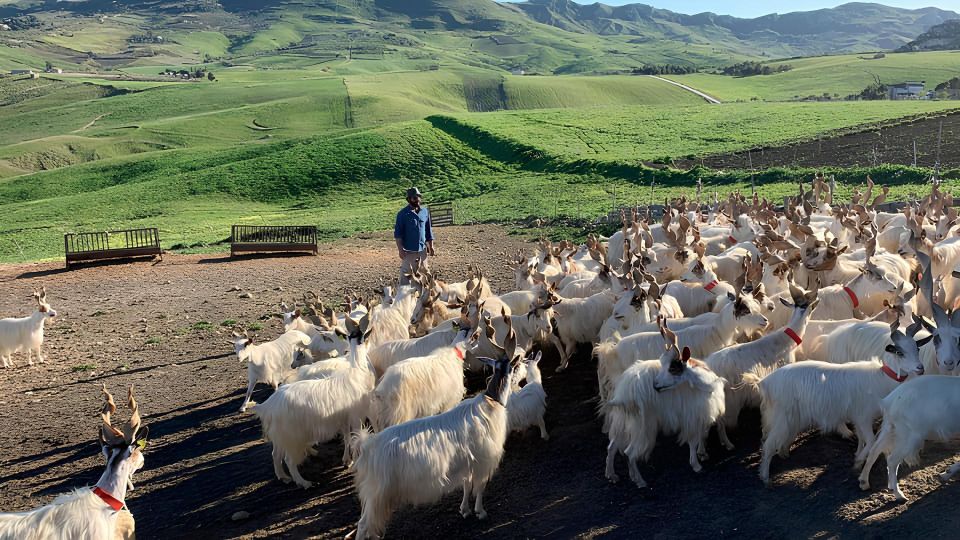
<point x="710" y="99"/>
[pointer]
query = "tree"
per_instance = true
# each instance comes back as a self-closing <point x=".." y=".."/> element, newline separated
<point x="210" y="76"/>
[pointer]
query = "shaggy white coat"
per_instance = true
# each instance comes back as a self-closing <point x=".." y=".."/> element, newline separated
<point x="420" y="461"/>
<point x="303" y="413"/>
<point x="419" y="387"/>
<point x="921" y="409"/>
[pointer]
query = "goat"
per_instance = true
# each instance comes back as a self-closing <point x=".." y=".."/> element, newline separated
<point x="674" y="394"/>
<point x="767" y="352"/>
<point x="864" y="292"/>
<point x="391" y="323"/>
<point x="614" y="358"/>
<point x="306" y="412"/>
<point x="387" y="354"/>
<point x="419" y="461"/>
<point x="918" y="410"/>
<point x="97" y="513"/>
<point x="420" y="386"/>
<point x="25" y="333"/>
<point x="528" y="404"/>
<point x="269" y="362"/>
<point x="829" y="395"/>
<point x="579" y="321"/>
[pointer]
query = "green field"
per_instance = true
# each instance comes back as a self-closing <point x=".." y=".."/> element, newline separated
<point x="836" y="76"/>
<point x="645" y="133"/>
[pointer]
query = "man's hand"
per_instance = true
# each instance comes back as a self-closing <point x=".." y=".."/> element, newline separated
<point x="400" y="253"/>
<point x="431" y="251"/>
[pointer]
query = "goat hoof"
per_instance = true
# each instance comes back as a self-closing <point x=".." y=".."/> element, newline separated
<point x="545" y="437"/>
<point x="729" y="446"/>
<point x="560" y="369"/>
<point x="865" y="485"/>
<point x="697" y="468"/>
<point x="613" y="478"/>
<point x="465" y="512"/>
<point x="305" y="485"/>
<point x="482" y="515"/>
<point x="640" y="483"/>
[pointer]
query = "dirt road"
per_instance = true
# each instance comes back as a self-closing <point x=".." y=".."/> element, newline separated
<point x="159" y="327"/>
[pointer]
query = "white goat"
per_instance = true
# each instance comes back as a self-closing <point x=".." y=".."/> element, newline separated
<point x="420" y="461"/>
<point x="392" y="323"/>
<point x="269" y="362"/>
<point x="420" y="386"/>
<point x="96" y="513"/>
<point x="921" y="409"/>
<point x="303" y="413"/>
<point x="387" y="354"/>
<point x="25" y="333"/>
<point x="674" y="394"/>
<point x="528" y="405"/>
<point x="773" y="349"/>
<point x="579" y="321"/>
<point x="828" y="396"/>
<point x="735" y="319"/>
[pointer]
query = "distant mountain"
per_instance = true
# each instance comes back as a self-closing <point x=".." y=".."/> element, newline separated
<point x="943" y="37"/>
<point x="852" y="27"/>
<point x="536" y="36"/>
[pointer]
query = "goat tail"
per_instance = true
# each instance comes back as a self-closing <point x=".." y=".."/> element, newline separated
<point x="358" y="440"/>
<point x="750" y="380"/>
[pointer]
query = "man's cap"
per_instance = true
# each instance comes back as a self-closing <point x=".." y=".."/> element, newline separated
<point x="413" y="192"/>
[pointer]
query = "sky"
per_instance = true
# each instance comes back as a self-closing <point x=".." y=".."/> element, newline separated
<point x="754" y="9"/>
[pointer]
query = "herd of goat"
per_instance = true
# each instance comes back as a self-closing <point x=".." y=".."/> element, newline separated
<point x="823" y="315"/>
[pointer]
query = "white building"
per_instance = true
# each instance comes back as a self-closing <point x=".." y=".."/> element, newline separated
<point x="907" y="90"/>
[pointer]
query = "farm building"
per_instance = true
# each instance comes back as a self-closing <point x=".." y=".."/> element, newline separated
<point x="907" y="90"/>
<point x="21" y="72"/>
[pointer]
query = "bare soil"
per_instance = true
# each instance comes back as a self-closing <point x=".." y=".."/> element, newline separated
<point x="879" y="145"/>
<point x="139" y="323"/>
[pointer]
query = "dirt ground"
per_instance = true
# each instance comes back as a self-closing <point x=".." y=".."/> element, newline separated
<point x="893" y="144"/>
<point x="205" y="461"/>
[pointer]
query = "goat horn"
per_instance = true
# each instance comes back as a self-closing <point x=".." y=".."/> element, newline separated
<point x="133" y="425"/>
<point x="109" y="435"/>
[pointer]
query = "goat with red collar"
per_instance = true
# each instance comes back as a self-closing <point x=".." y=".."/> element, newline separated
<point x="828" y="396"/>
<point x="97" y="513"/>
<point x="776" y="348"/>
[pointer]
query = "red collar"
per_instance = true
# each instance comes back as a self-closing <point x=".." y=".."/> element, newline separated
<point x="793" y="335"/>
<point x="711" y="285"/>
<point x="458" y="352"/>
<point x="852" y="295"/>
<point x="111" y="501"/>
<point x="893" y="375"/>
<point x="732" y="239"/>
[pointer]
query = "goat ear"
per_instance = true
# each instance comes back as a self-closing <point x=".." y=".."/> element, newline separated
<point x="248" y="342"/>
<point x="732" y="297"/>
<point x="785" y="302"/>
<point x="955" y="274"/>
<point x="892" y="349"/>
<point x="685" y="354"/>
<point x="924" y="341"/>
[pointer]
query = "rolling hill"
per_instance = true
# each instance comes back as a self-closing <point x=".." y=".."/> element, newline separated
<point x="542" y="36"/>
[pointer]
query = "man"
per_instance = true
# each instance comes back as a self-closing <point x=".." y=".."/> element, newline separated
<point x="414" y="234"/>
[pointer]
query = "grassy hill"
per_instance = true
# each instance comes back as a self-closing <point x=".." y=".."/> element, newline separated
<point x="649" y="133"/>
